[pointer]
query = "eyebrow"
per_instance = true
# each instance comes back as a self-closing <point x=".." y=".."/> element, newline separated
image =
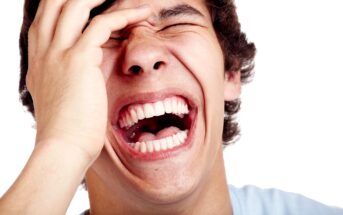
<point x="179" y="10"/>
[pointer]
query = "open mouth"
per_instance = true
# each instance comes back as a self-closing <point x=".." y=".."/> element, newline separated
<point x="156" y="127"/>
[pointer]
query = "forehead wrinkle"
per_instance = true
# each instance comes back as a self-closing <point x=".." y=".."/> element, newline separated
<point x="163" y="14"/>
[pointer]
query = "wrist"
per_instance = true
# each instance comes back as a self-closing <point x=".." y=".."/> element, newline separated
<point x="52" y="174"/>
<point x="87" y="144"/>
<point x="66" y="148"/>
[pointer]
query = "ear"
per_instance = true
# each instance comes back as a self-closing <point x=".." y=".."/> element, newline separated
<point x="232" y="85"/>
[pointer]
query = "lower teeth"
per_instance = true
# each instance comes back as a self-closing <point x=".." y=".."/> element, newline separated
<point x="161" y="144"/>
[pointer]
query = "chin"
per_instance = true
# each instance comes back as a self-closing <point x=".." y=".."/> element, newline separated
<point x="167" y="192"/>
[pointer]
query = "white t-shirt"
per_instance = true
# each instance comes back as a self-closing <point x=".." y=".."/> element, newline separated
<point x="251" y="200"/>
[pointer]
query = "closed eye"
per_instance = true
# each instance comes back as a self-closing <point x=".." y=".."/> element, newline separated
<point x="177" y="25"/>
<point x="119" y="38"/>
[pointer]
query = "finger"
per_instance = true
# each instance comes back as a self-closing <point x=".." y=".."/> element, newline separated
<point x="101" y="26"/>
<point x="72" y="20"/>
<point x="44" y="24"/>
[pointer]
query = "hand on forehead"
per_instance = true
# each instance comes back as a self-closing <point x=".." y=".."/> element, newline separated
<point x="161" y="10"/>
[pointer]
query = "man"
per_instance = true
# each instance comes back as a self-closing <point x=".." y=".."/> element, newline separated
<point x="133" y="99"/>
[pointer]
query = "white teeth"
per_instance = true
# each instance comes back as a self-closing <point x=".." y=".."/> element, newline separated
<point x="161" y="144"/>
<point x="137" y="146"/>
<point x="167" y="105"/>
<point x="174" y="106"/>
<point x="140" y="112"/>
<point x="134" y="113"/>
<point x="185" y="109"/>
<point x="150" y="146"/>
<point x="181" y="136"/>
<point x="142" y="147"/>
<point x="134" y="116"/>
<point x="170" y="143"/>
<point x="159" y="108"/>
<point x="148" y="110"/>
<point x="176" y="140"/>
<point x="131" y="120"/>
<point x="127" y="120"/>
<point x="179" y="108"/>
<point x="157" y="145"/>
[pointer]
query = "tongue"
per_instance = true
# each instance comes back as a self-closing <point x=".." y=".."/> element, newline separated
<point x="166" y="132"/>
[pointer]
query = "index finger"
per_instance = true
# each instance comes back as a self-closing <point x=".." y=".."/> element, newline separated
<point x="101" y="26"/>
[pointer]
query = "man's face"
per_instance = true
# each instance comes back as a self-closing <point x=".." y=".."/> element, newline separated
<point x="165" y="84"/>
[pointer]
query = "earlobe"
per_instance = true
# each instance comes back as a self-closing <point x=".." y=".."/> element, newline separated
<point x="232" y="85"/>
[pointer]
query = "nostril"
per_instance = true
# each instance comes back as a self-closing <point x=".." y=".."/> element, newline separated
<point x="157" y="65"/>
<point x="135" y="69"/>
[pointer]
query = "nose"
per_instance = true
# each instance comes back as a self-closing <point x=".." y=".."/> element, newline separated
<point x="144" y="54"/>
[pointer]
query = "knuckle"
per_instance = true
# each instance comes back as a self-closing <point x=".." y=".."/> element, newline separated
<point x="54" y="4"/>
<point x="75" y="3"/>
<point x="74" y="56"/>
<point x="97" y="20"/>
<point x="50" y="58"/>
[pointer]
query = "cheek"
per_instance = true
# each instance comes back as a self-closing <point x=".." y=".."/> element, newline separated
<point x="204" y="58"/>
<point x="109" y="70"/>
<point x="108" y="65"/>
<point x="202" y="55"/>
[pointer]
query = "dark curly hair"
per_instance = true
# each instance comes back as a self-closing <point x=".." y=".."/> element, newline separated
<point x="238" y="53"/>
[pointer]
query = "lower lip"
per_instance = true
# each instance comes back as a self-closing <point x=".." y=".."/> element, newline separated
<point x="153" y="156"/>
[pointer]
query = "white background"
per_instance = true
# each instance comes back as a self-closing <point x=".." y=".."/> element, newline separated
<point x="291" y="115"/>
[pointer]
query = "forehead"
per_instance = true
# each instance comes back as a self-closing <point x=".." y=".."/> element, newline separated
<point x="156" y="3"/>
<point x="159" y="6"/>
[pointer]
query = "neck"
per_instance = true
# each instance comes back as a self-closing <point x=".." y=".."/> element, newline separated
<point x="211" y="197"/>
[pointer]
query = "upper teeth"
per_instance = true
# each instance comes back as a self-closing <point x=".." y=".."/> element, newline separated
<point x="131" y="115"/>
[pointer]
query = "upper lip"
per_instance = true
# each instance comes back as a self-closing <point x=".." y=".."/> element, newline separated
<point x="149" y="97"/>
